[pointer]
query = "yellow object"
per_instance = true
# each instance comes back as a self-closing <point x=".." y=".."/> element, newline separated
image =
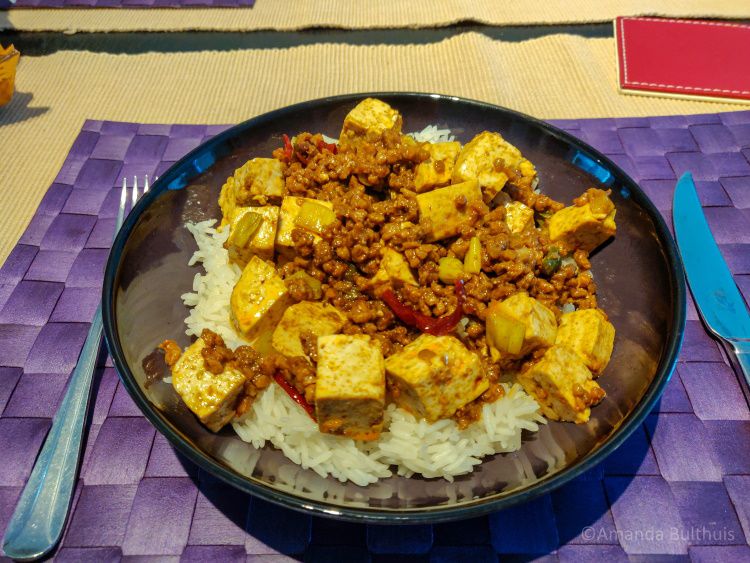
<point x="258" y="300"/>
<point x="505" y="334"/>
<point x="290" y="209"/>
<point x="369" y="118"/>
<point x="257" y="182"/>
<point x="314" y="217"/>
<point x="590" y="335"/>
<point x="393" y="268"/>
<point x="473" y="257"/>
<point x="434" y="376"/>
<point x="492" y="161"/>
<point x="8" y="62"/>
<point x="260" y="242"/>
<point x="584" y="226"/>
<point x="442" y="213"/>
<point x="450" y="269"/>
<point x="307" y="316"/>
<point x="562" y="385"/>
<point x="539" y="322"/>
<point x="210" y="396"/>
<point x="518" y="216"/>
<point x="350" y="386"/>
<point x="437" y="170"/>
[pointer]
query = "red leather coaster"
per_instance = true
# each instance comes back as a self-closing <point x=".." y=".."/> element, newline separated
<point x="684" y="58"/>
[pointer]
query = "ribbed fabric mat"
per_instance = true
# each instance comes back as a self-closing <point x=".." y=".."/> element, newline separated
<point x="362" y="14"/>
<point x="679" y="486"/>
<point x="86" y="4"/>
<point x="558" y="76"/>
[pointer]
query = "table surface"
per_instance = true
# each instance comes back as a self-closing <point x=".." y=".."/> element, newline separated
<point x="235" y="527"/>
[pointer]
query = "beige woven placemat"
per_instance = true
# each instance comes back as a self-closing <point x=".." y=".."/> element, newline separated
<point x="364" y="14"/>
<point x="559" y="76"/>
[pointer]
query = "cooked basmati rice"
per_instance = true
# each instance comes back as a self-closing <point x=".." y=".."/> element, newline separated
<point x="408" y="446"/>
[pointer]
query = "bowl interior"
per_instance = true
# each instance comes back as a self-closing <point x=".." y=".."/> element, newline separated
<point x="638" y="286"/>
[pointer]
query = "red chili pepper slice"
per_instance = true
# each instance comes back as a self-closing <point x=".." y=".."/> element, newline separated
<point x="288" y="149"/>
<point x="294" y="394"/>
<point x="430" y="325"/>
<point x="321" y="144"/>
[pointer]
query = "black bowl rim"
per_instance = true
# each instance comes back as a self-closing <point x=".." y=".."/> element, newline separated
<point x="398" y="516"/>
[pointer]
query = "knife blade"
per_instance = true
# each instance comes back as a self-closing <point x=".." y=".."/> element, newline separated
<point x="717" y="298"/>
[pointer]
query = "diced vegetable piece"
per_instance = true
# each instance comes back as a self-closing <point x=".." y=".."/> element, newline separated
<point x="441" y="213"/>
<point x="551" y="261"/>
<point x="350" y="386"/>
<point x="590" y="335"/>
<point x="436" y="170"/>
<point x="210" y="396"/>
<point x="492" y="161"/>
<point x="245" y="228"/>
<point x="473" y="258"/>
<point x="505" y="334"/>
<point x="258" y="299"/>
<point x="434" y="376"/>
<point x="584" y="226"/>
<point x="562" y="385"/>
<point x="316" y="288"/>
<point x="314" y="217"/>
<point x="246" y="239"/>
<point x="540" y="326"/>
<point x="369" y="118"/>
<point x="450" y="269"/>
<point x="306" y="316"/>
<point x="290" y="209"/>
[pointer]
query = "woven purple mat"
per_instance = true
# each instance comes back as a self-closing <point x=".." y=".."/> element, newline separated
<point x="81" y="4"/>
<point x="680" y="486"/>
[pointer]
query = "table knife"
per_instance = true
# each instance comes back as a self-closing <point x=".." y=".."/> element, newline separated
<point x="717" y="298"/>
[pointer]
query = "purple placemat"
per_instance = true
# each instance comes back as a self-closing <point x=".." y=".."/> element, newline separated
<point x="680" y="486"/>
<point x="81" y="4"/>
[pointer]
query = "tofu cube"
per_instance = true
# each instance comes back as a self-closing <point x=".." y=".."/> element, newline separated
<point x="257" y="182"/>
<point x="562" y="385"/>
<point x="518" y="216"/>
<point x="538" y="324"/>
<point x="492" y="161"/>
<point x="580" y="226"/>
<point x="444" y="210"/>
<point x="262" y="243"/>
<point x="393" y="269"/>
<point x="438" y="169"/>
<point x="258" y="300"/>
<point x="434" y="376"/>
<point x="317" y="318"/>
<point x="369" y="119"/>
<point x="350" y="386"/>
<point x="211" y="397"/>
<point x="590" y="335"/>
<point x="288" y="213"/>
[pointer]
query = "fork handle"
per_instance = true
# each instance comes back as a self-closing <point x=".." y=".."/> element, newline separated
<point x="39" y="518"/>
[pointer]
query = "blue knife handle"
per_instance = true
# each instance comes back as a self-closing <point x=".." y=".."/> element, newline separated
<point x="742" y="353"/>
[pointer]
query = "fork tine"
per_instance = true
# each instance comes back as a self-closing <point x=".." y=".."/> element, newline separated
<point x="145" y="186"/>
<point x="134" y="197"/>
<point x="123" y="201"/>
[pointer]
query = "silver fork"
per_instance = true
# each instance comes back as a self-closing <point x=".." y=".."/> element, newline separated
<point x="39" y="518"/>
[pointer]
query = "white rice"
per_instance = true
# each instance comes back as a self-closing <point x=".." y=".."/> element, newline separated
<point x="432" y="134"/>
<point x="407" y="446"/>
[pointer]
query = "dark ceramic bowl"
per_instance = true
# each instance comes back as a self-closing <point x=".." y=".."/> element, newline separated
<point x="640" y="286"/>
